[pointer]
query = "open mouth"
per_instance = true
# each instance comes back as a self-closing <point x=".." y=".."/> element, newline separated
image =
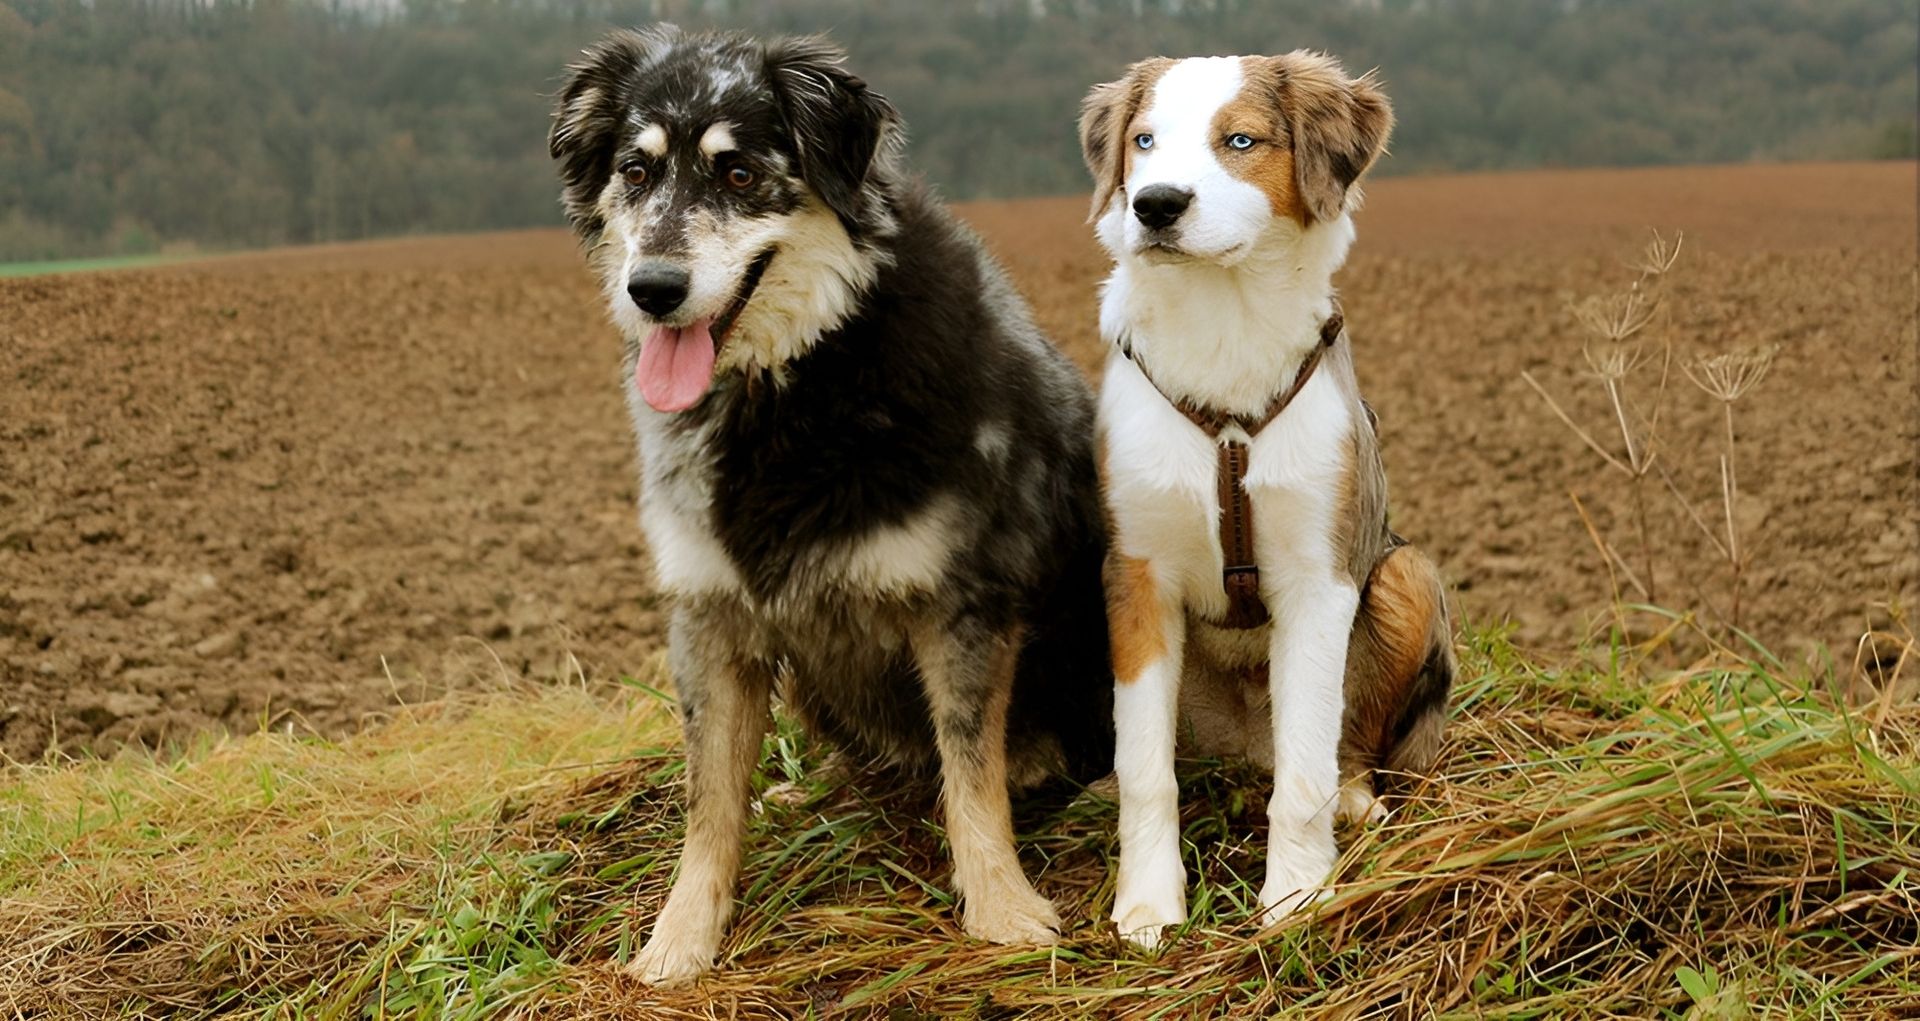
<point x="675" y="367"/>
<point x="723" y="323"/>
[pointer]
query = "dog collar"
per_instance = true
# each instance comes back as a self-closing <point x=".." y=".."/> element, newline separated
<point x="1213" y="421"/>
<point x="1240" y="569"/>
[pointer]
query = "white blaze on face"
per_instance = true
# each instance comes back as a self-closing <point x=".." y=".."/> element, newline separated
<point x="620" y="252"/>
<point x="1227" y="214"/>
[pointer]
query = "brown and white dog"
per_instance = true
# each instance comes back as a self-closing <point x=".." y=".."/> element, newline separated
<point x="1223" y="191"/>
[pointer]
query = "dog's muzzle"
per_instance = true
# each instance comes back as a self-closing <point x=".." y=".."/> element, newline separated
<point x="659" y="288"/>
<point x="1159" y="206"/>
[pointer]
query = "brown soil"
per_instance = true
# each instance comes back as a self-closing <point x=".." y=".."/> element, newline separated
<point x="294" y="487"/>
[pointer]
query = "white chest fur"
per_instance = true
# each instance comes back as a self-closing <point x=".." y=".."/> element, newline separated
<point x="1163" y="485"/>
<point x="676" y="507"/>
<point x="676" y="514"/>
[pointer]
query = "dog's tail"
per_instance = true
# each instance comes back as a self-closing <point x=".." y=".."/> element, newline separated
<point x="1061" y="720"/>
<point x="1401" y="666"/>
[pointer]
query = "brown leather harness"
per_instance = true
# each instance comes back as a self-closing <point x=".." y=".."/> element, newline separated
<point x="1240" y="570"/>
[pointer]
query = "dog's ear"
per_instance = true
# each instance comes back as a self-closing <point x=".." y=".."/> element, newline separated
<point x="1104" y="116"/>
<point x="587" y="117"/>
<point x="1339" y="127"/>
<point x="839" y="126"/>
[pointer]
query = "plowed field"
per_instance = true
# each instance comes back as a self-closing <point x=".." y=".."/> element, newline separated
<point x="294" y="487"/>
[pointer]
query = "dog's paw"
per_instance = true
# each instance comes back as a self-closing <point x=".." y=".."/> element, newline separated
<point x="1152" y="898"/>
<point x="1146" y="937"/>
<point x="669" y="960"/>
<point x="1012" y="916"/>
<point x="1143" y="920"/>
<point x="1146" y="926"/>
<point x="1277" y="901"/>
<point x="1357" y="804"/>
<point x="1300" y="854"/>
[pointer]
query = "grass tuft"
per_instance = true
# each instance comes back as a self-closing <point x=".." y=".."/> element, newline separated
<point x="1722" y="842"/>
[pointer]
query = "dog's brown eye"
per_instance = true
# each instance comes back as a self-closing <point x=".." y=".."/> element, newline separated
<point x="740" y="177"/>
<point x="634" y="174"/>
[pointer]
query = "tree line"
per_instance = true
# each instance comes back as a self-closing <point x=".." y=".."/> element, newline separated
<point x="131" y="125"/>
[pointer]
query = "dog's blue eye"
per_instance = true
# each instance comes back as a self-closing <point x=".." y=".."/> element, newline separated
<point x="1240" y="141"/>
<point x="1143" y="141"/>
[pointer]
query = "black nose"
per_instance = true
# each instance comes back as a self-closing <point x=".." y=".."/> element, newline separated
<point x="1159" y="205"/>
<point x="658" y="288"/>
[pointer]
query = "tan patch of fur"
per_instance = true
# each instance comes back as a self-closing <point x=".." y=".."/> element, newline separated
<point x="1402" y="622"/>
<point x="1133" y="617"/>
<point x="999" y="904"/>
<point x="1106" y="116"/>
<point x="1400" y="602"/>
<point x="975" y="780"/>
<point x="723" y="745"/>
<point x="1256" y="113"/>
<point x="1337" y="125"/>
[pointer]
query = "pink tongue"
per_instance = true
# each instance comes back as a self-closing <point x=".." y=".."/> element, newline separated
<point x="676" y="366"/>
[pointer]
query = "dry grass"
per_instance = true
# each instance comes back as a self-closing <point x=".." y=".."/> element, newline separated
<point x="1720" y="842"/>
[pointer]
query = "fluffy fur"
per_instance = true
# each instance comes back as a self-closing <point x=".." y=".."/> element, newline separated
<point x="1222" y="303"/>
<point x="884" y="502"/>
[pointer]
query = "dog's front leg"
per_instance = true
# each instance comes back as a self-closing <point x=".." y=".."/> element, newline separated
<point x="1148" y="631"/>
<point x="724" y="705"/>
<point x="1312" y="624"/>
<point x="968" y="672"/>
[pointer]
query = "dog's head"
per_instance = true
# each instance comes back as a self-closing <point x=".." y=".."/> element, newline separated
<point x="1203" y="158"/>
<point x="729" y="191"/>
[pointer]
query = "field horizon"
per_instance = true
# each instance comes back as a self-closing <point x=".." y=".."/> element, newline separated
<point x="1647" y="190"/>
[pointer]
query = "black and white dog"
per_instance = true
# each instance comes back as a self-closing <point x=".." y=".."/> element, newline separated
<point x="865" y="471"/>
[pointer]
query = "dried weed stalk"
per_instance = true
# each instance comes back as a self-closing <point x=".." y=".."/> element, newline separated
<point x="1618" y="344"/>
<point x="1726" y="378"/>
<point x="1622" y="340"/>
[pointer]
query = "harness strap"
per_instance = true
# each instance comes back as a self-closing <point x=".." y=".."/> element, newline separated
<point x="1240" y="569"/>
